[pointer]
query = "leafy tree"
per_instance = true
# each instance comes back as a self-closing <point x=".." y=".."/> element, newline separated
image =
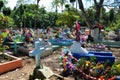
<point x="111" y="15"/>
<point x="19" y="2"/>
<point x="1" y="4"/>
<point x="67" y="6"/>
<point x="6" y="21"/>
<point x="6" y="11"/>
<point x="104" y="17"/>
<point x="38" y="2"/>
<point x="62" y="3"/>
<point x="72" y="2"/>
<point x="32" y="18"/>
<point x="89" y="12"/>
<point x="67" y="18"/>
<point x="115" y="25"/>
<point x="98" y="6"/>
<point x="81" y="6"/>
<point x="56" y="4"/>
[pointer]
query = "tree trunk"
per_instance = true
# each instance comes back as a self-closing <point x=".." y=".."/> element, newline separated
<point x="38" y="3"/>
<point x="56" y="9"/>
<point x="84" y="14"/>
<point x="98" y="6"/>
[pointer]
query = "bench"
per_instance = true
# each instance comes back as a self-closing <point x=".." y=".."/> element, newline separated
<point x="110" y="44"/>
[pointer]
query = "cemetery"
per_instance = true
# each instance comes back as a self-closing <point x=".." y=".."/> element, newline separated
<point x="41" y="44"/>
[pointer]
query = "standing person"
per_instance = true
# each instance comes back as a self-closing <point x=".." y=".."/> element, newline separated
<point x="77" y="31"/>
<point x="90" y="39"/>
<point x="28" y="36"/>
<point x="83" y="40"/>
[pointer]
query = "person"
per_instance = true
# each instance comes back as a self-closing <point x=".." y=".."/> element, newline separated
<point x="28" y="36"/>
<point x="90" y="39"/>
<point x="6" y="40"/>
<point x="83" y="40"/>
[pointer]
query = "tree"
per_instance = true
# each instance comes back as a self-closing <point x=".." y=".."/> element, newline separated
<point x="62" y="3"/>
<point x="56" y="4"/>
<point x="111" y="15"/>
<point x="6" y="11"/>
<point x="5" y="21"/>
<point x="67" y="18"/>
<point x="1" y="4"/>
<point x="19" y="2"/>
<point x="38" y="2"/>
<point x="81" y="6"/>
<point x="67" y="6"/>
<point x="72" y="2"/>
<point x="26" y="16"/>
<point x="98" y="6"/>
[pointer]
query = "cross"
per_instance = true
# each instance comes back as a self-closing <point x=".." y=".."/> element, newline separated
<point x="37" y="53"/>
<point x="15" y="46"/>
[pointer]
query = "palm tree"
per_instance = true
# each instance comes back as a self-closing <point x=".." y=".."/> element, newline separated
<point x="72" y="2"/>
<point x="62" y="3"/>
<point x="56" y="4"/>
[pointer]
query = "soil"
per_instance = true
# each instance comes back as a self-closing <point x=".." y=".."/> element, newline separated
<point x="51" y="61"/>
<point x="4" y="58"/>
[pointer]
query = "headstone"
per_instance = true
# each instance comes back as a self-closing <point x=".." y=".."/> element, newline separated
<point x="40" y="72"/>
<point x="76" y="48"/>
<point x="46" y="72"/>
<point x="95" y="34"/>
<point x="15" y="46"/>
<point x="37" y="53"/>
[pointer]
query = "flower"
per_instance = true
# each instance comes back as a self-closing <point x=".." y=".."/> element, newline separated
<point x="118" y="67"/>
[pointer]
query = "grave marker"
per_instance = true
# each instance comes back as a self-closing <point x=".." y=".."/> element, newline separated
<point x="15" y="46"/>
<point x="41" y="72"/>
<point x="37" y="53"/>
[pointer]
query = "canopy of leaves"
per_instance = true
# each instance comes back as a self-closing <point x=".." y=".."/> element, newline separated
<point x="6" y="21"/>
<point x="28" y="16"/>
<point x="67" y="18"/>
<point x="6" y="11"/>
<point x="1" y="4"/>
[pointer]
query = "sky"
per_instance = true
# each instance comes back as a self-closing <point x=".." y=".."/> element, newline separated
<point x="45" y="3"/>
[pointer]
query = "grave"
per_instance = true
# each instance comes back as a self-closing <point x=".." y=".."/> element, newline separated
<point x="11" y="62"/>
<point x="95" y="34"/>
<point x="40" y="72"/>
<point x="15" y="46"/>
